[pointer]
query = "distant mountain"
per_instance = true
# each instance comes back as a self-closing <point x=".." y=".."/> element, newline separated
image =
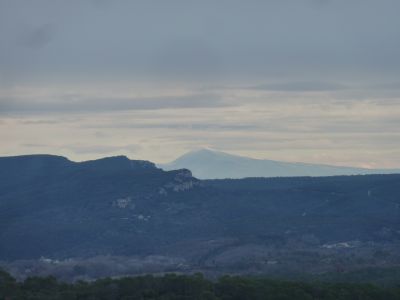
<point x="116" y="214"/>
<point x="210" y="164"/>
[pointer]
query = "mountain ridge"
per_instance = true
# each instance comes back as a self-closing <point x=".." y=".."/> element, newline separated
<point x="211" y="164"/>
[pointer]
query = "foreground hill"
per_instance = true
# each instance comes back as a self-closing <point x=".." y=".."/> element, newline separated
<point x="134" y="217"/>
<point x="210" y="164"/>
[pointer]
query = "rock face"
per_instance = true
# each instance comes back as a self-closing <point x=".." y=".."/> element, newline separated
<point x="54" y="208"/>
<point x="182" y="181"/>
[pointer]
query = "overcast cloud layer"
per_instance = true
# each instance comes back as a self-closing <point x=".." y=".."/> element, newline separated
<point x="297" y="80"/>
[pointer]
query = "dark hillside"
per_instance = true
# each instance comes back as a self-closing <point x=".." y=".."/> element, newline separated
<point x="52" y="207"/>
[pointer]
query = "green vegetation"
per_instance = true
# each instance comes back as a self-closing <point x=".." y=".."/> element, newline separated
<point x="173" y="286"/>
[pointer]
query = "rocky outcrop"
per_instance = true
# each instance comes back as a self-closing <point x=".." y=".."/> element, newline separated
<point x="182" y="181"/>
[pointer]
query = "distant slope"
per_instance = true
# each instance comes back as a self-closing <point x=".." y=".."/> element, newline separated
<point x="209" y="164"/>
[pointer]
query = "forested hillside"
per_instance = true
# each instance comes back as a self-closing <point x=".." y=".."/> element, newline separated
<point x="131" y="217"/>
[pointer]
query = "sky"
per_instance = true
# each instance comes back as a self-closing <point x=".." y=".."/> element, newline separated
<point x="293" y="80"/>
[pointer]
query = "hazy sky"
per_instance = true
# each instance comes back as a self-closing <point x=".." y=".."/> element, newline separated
<point x="296" y="80"/>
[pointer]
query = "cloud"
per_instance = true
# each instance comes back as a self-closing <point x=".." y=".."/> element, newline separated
<point x="102" y="149"/>
<point x="183" y="125"/>
<point x="87" y="149"/>
<point x="348" y="132"/>
<point x="301" y="86"/>
<point x="172" y="75"/>
<point x="187" y="59"/>
<point x="41" y="122"/>
<point x="320" y="3"/>
<point x="204" y="41"/>
<point x="38" y="37"/>
<point x="82" y="104"/>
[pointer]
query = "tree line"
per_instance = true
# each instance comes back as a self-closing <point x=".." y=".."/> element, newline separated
<point x="186" y="287"/>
